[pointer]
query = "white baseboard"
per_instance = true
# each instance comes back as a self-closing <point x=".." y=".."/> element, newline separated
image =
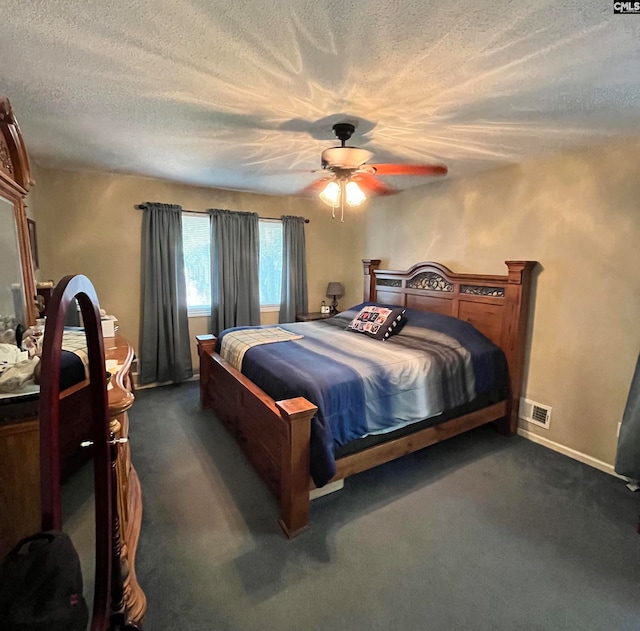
<point x="572" y="453"/>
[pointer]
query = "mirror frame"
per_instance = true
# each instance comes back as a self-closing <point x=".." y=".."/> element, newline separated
<point x="15" y="182"/>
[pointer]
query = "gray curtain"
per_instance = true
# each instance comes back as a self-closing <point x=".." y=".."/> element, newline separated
<point x="628" y="456"/>
<point x="164" y="336"/>
<point x="235" y="257"/>
<point x="294" y="297"/>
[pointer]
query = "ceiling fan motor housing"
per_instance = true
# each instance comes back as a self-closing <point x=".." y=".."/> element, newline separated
<point x="344" y="157"/>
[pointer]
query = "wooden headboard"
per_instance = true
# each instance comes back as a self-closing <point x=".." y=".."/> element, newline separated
<point x="498" y="306"/>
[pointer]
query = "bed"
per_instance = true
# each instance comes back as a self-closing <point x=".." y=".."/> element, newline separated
<point x="291" y="422"/>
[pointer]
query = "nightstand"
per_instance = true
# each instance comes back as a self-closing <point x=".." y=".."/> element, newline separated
<point x="307" y="317"/>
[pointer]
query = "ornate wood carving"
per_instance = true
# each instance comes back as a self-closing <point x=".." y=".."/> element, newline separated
<point x="5" y="157"/>
<point x="431" y="281"/>
<point x="389" y="282"/>
<point x="12" y="139"/>
<point x="479" y="290"/>
<point x="6" y="113"/>
<point x="15" y="180"/>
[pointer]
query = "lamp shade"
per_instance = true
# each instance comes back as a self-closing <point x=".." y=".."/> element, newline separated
<point x="353" y="194"/>
<point x="331" y="194"/>
<point x="335" y="289"/>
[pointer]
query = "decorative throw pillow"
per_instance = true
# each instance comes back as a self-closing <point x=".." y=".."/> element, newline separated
<point x="378" y="322"/>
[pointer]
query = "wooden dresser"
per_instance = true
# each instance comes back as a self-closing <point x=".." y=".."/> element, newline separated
<point x="121" y="398"/>
<point x="20" y="473"/>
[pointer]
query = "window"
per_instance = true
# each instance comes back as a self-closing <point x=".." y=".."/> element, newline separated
<point x="270" y="263"/>
<point x="196" y="241"/>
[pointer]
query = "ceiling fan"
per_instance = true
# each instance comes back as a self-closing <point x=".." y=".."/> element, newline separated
<point x="349" y="179"/>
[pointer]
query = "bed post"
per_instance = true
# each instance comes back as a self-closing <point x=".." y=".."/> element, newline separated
<point x="206" y="344"/>
<point x="369" y="266"/>
<point x="514" y="337"/>
<point x="295" y="462"/>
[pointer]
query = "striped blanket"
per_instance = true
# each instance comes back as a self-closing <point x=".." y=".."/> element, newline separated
<point x="236" y="343"/>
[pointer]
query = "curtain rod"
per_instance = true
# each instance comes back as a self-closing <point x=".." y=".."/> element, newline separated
<point x="184" y="210"/>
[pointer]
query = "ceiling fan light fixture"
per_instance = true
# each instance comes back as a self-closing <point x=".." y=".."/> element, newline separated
<point x="330" y="195"/>
<point x="354" y="196"/>
<point x="333" y="194"/>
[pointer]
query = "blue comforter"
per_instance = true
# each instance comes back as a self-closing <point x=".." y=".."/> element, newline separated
<point x="364" y="386"/>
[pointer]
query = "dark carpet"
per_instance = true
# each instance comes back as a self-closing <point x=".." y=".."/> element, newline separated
<point x="480" y="532"/>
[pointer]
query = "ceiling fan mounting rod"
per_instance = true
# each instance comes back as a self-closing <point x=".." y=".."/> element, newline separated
<point x="343" y="131"/>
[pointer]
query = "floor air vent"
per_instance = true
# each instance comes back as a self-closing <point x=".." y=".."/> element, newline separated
<point x="535" y="413"/>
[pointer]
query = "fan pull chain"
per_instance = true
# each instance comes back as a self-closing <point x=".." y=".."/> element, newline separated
<point x="333" y="208"/>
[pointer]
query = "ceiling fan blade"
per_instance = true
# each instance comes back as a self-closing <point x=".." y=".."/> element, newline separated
<point x="372" y="186"/>
<point x="409" y="169"/>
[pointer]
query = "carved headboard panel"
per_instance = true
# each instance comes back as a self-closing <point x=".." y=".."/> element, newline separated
<point x="498" y="306"/>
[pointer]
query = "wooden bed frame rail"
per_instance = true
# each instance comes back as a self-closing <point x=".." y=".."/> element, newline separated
<point x="275" y="434"/>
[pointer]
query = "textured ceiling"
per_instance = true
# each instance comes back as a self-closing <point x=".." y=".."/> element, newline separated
<point x="243" y="94"/>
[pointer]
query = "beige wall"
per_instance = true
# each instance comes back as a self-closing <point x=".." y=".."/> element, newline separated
<point x="579" y="216"/>
<point x="87" y="224"/>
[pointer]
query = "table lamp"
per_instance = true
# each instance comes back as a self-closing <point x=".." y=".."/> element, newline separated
<point x="335" y="290"/>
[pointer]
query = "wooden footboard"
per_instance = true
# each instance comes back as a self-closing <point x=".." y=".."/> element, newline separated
<point x="274" y="434"/>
